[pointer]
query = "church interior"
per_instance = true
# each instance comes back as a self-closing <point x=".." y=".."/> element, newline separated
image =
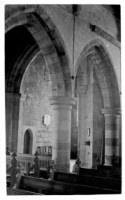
<point x="63" y="99"/>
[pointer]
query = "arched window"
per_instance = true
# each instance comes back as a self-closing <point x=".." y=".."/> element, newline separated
<point x="28" y="142"/>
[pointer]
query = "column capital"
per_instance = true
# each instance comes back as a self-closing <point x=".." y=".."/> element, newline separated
<point x="62" y="100"/>
<point x="13" y="96"/>
<point x="111" y="111"/>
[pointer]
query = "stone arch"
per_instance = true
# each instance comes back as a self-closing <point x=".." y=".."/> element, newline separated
<point x="48" y="40"/>
<point x="106" y="101"/>
<point x="28" y="142"/>
<point x="14" y="81"/>
<point x="104" y="70"/>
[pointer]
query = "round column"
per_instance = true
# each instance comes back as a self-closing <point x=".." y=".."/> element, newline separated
<point x="112" y="127"/>
<point x="62" y="107"/>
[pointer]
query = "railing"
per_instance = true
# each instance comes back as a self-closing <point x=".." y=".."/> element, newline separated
<point x="19" y="165"/>
<point x="28" y="160"/>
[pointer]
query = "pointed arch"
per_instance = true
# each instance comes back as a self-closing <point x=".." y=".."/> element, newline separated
<point x="50" y="43"/>
<point x="104" y="70"/>
<point x="28" y="142"/>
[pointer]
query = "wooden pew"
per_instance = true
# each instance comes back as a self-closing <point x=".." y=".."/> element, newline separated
<point x="89" y="180"/>
<point x="108" y="172"/>
<point x="38" y="185"/>
<point x="111" y="171"/>
<point x="20" y="192"/>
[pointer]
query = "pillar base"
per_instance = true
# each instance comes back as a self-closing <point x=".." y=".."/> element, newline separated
<point x="110" y="165"/>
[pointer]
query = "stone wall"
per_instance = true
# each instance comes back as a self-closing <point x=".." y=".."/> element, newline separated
<point x="36" y="87"/>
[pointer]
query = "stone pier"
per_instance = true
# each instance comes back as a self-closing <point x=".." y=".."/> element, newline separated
<point x="62" y="107"/>
<point x="112" y="134"/>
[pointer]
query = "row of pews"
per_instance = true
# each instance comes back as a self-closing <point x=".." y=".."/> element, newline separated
<point x="90" y="180"/>
<point x="53" y="187"/>
<point x="105" y="180"/>
<point x="68" y="184"/>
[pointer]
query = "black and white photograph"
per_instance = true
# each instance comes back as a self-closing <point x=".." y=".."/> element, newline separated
<point x="63" y="108"/>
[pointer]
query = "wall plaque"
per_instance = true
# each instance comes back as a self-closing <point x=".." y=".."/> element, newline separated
<point x="46" y="120"/>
